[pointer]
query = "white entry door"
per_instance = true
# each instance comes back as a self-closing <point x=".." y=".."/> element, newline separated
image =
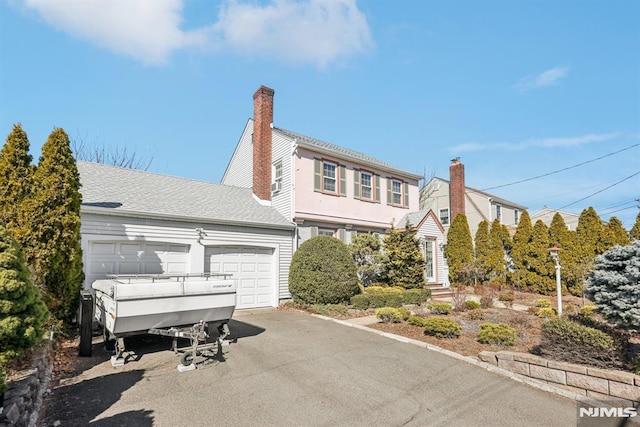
<point x="251" y="267"/>
<point x="130" y="257"/>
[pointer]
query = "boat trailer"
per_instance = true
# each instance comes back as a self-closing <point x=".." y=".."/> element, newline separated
<point x="200" y="346"/>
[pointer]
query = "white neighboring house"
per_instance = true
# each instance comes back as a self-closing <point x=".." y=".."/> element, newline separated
<point x="546" y="216"/>
<point x="136" y="222"/>
<point x="430" y="233"/>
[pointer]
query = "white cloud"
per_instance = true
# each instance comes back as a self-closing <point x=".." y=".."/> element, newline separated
<point x="546" y="78"/>
<point x="313" y="31"/>
<point x="316" y="31"/>
<point x="147" y="30"/>
<point x="552" y="142"/>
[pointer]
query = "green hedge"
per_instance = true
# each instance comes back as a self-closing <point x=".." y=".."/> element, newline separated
<point x="378" y="299"/>
<point x="389" y="315"/>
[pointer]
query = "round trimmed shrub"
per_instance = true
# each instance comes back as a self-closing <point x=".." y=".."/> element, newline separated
<point x="543" y="303"/>
<point x="389" y="315"/>
<point x="442" y="327"/>
<point x="472" y="305"/>
<point x="439" y="307"/>
<point x="475" y="314"/>
<point x="360" y="301"/>
<point x="588" y="310"/>
<point x="496" y="333"/>
<point x="416" y="321"/>
<point x="546" y="312"/>
<point x="323" y="272"/>
<point x="404" y="312"/>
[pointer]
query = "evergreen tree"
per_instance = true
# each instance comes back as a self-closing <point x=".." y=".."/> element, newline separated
<point x="588" y="244"/>
<point x="635" y="230"/>
<point x="499" y="242"/>
<point x="22" y="312"/>
<point x="404" y="261"/>
<point x="15" y="176"/>
<point x="520" y="252"/>
<point x="560" y="236"/>
<point x="613" y="285"/>
<point x="482" y="250"/>
<point x="50" y="227"/>
<point x="367" y="254"/>
<point x="541" y="264"/>
<point x="617" y="232"/>
<point x="459" y="249"/>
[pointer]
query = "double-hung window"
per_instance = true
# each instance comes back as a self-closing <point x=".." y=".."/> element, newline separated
<point x="396" y="192"/>
<point x="329" y="177"/>
<point x="444" y="216"/>
<point x="366" y="186"/>
<point x="499" y="213"/>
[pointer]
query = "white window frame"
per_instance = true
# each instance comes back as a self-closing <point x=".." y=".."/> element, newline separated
<point x="335" y="177"/>
<point x="394" y="193"/>
<point x="429" y="247"/>
<point x="499" y="213"/>
<point x="277" y="176"/>
<point x="516" y="216"/>
<point x="448" y="218"/>
<point x="369" y="187"/>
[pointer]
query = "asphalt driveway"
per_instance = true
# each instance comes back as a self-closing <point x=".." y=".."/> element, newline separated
<point x="293" y="369"/>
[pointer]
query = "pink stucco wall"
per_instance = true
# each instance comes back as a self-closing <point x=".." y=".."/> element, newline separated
<point x="313" y="205"/>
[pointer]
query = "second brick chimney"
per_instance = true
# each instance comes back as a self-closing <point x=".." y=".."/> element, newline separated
<point x="456" y="187"/>
<point x="262" y="136"/>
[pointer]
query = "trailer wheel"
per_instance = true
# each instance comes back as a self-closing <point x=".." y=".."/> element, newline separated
<point x="109" y="343"/>
<point x="187" y="358"/>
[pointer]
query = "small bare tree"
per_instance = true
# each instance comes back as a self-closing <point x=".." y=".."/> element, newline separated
<point x="109" y="155"/>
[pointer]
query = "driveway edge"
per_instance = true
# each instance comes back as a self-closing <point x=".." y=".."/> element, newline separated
<point x="488" y="367"/>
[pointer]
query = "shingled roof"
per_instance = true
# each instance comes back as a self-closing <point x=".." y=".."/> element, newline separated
<point x="344" y="153"/>
<point x="121" y="191"/>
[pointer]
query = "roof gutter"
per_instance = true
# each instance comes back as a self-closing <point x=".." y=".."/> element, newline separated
<point x="134" y="214"/>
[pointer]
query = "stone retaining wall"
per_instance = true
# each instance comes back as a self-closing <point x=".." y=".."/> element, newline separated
<point x="23" y="398"/>
<point x="620" y="387"/>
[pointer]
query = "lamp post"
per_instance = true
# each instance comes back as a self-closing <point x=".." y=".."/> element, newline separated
<point x="555" y="254"/>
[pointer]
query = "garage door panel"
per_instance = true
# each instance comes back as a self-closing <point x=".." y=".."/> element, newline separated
<point x="252" y="268"/>
<point x="128" y="257"/>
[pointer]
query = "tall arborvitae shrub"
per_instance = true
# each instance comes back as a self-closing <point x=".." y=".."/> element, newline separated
<point x="16" y="174"/>
<point x="481" y="249"/>
<point x="323" y="272"/>
<point x="499" y="245"/>
<point x="366" y="250"/>
<point x="404" y="261"/>
<point x="560" y="236"/>
<point x="541" y="264"/>
<point x="613" y="285"/>
<point x="588" y="244"/>
<point x="634" y="233"/>
<point x="459" y="249"/>
<point x="50" y="227"/>
<point x="22" y="311"/>
<point x="520" y="252"/>
<point x="617" y="233"/>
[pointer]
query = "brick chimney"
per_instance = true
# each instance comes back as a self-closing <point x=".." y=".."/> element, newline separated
<point x="456" y="187"/>
<point x="262" y="123"/>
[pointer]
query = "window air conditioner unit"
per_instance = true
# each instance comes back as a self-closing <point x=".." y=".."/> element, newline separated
<point x="276" y="186"/>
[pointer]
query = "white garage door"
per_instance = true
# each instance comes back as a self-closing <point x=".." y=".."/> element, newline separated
<point x="253" y="268"/>
<point x="127" y="257"/>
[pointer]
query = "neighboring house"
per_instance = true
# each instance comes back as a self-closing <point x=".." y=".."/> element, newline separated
<point x="449" y="198"/>
<point x="430" y="233"/>
<point x="136" y="222"/>
<point x="323" y="188"/>
<point x="546" y="216"/>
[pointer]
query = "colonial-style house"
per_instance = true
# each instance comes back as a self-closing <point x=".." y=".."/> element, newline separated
<point x="321" y="187"/>
<point x="448" y="198"/>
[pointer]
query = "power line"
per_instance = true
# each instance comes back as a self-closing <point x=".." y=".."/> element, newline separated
<point x="561" y="170"/>
<point x="600" y="191"/>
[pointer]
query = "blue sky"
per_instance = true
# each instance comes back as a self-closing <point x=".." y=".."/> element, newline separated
<point x="516" y="89"/>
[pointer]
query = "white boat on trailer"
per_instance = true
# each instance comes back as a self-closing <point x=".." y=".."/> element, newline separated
<point x="181" y="306"/>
